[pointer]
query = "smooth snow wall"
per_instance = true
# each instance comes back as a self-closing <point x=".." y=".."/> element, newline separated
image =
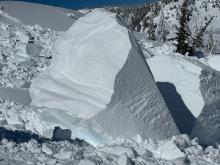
<point x="99" y="76"/>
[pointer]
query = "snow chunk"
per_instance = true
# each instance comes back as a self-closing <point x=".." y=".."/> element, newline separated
<point x="165" y="149"/>
<point x="46" y="150"/>
<point x="100" y="86"/>
<point x="93" y="50"/>
<point x="63" y="154"/>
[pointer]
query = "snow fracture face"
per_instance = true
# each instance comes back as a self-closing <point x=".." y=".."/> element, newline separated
<point x="100" y="86"/>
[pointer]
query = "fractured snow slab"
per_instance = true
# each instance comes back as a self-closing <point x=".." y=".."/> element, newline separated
<point x="99" y="77"/>
<point x="81" y="77"/>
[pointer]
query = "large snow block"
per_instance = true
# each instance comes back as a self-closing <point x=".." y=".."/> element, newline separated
<point x="99" y="76"/>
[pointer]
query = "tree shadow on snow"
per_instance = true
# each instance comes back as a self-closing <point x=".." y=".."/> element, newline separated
<point x="183" y="118"/>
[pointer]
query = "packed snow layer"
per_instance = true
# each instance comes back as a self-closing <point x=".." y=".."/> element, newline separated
<point x="99" y="84"/>
<point x="183" y="74"/>
<point x="46" y="16"/>
<point x="81" y="77"/>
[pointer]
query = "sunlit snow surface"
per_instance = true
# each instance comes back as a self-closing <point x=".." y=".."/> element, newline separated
<point x="80" y="81"/>
<point x="81" y="77"/>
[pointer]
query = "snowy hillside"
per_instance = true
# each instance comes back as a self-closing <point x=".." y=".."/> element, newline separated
<point x="149" y="18"/>
<point x="133" y="100"/>
<point x="55" y="18"/>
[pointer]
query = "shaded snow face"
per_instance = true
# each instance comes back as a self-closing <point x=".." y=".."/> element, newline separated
<point x="136" y="107"/>
<point x="207" y="129"/>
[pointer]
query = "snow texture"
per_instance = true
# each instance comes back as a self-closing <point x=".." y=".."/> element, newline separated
<point x="105" y="84"/>
<point x="207" y="129"/>
<point x="124" y="152"/>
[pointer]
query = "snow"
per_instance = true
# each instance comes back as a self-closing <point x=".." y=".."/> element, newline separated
<point x="91" y="63"/>
<point x="196" y="82"/>
<point x="20" y="96"/>
<point x="17" y="68"/>
<point x="78" y="153"/>
<point x="168" y="67"/>
<point x="8" y="18"/>
<point x="115" y="117"/>
<point x="100" y="91"/>
<point x="213" y="61"/>
<point x="168" y="150"/>
<point x="46" y="16"/>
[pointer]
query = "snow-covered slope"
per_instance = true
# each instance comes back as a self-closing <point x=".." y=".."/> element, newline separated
<point x="202" y="11"/>
<point x="150" y="18"/>
<point x="36" y="14"/>
<point x="99" y="73"/>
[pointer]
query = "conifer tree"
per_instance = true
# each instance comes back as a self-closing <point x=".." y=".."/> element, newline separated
<point x="183" y="33"/>
<point x="151" y="29"/>
<point x="198" y="39"/>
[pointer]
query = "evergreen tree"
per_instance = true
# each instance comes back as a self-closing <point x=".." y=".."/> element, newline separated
<point x="198" y="39"/>
<point x="183" y="33"/>
<point x="151" y="29"/>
